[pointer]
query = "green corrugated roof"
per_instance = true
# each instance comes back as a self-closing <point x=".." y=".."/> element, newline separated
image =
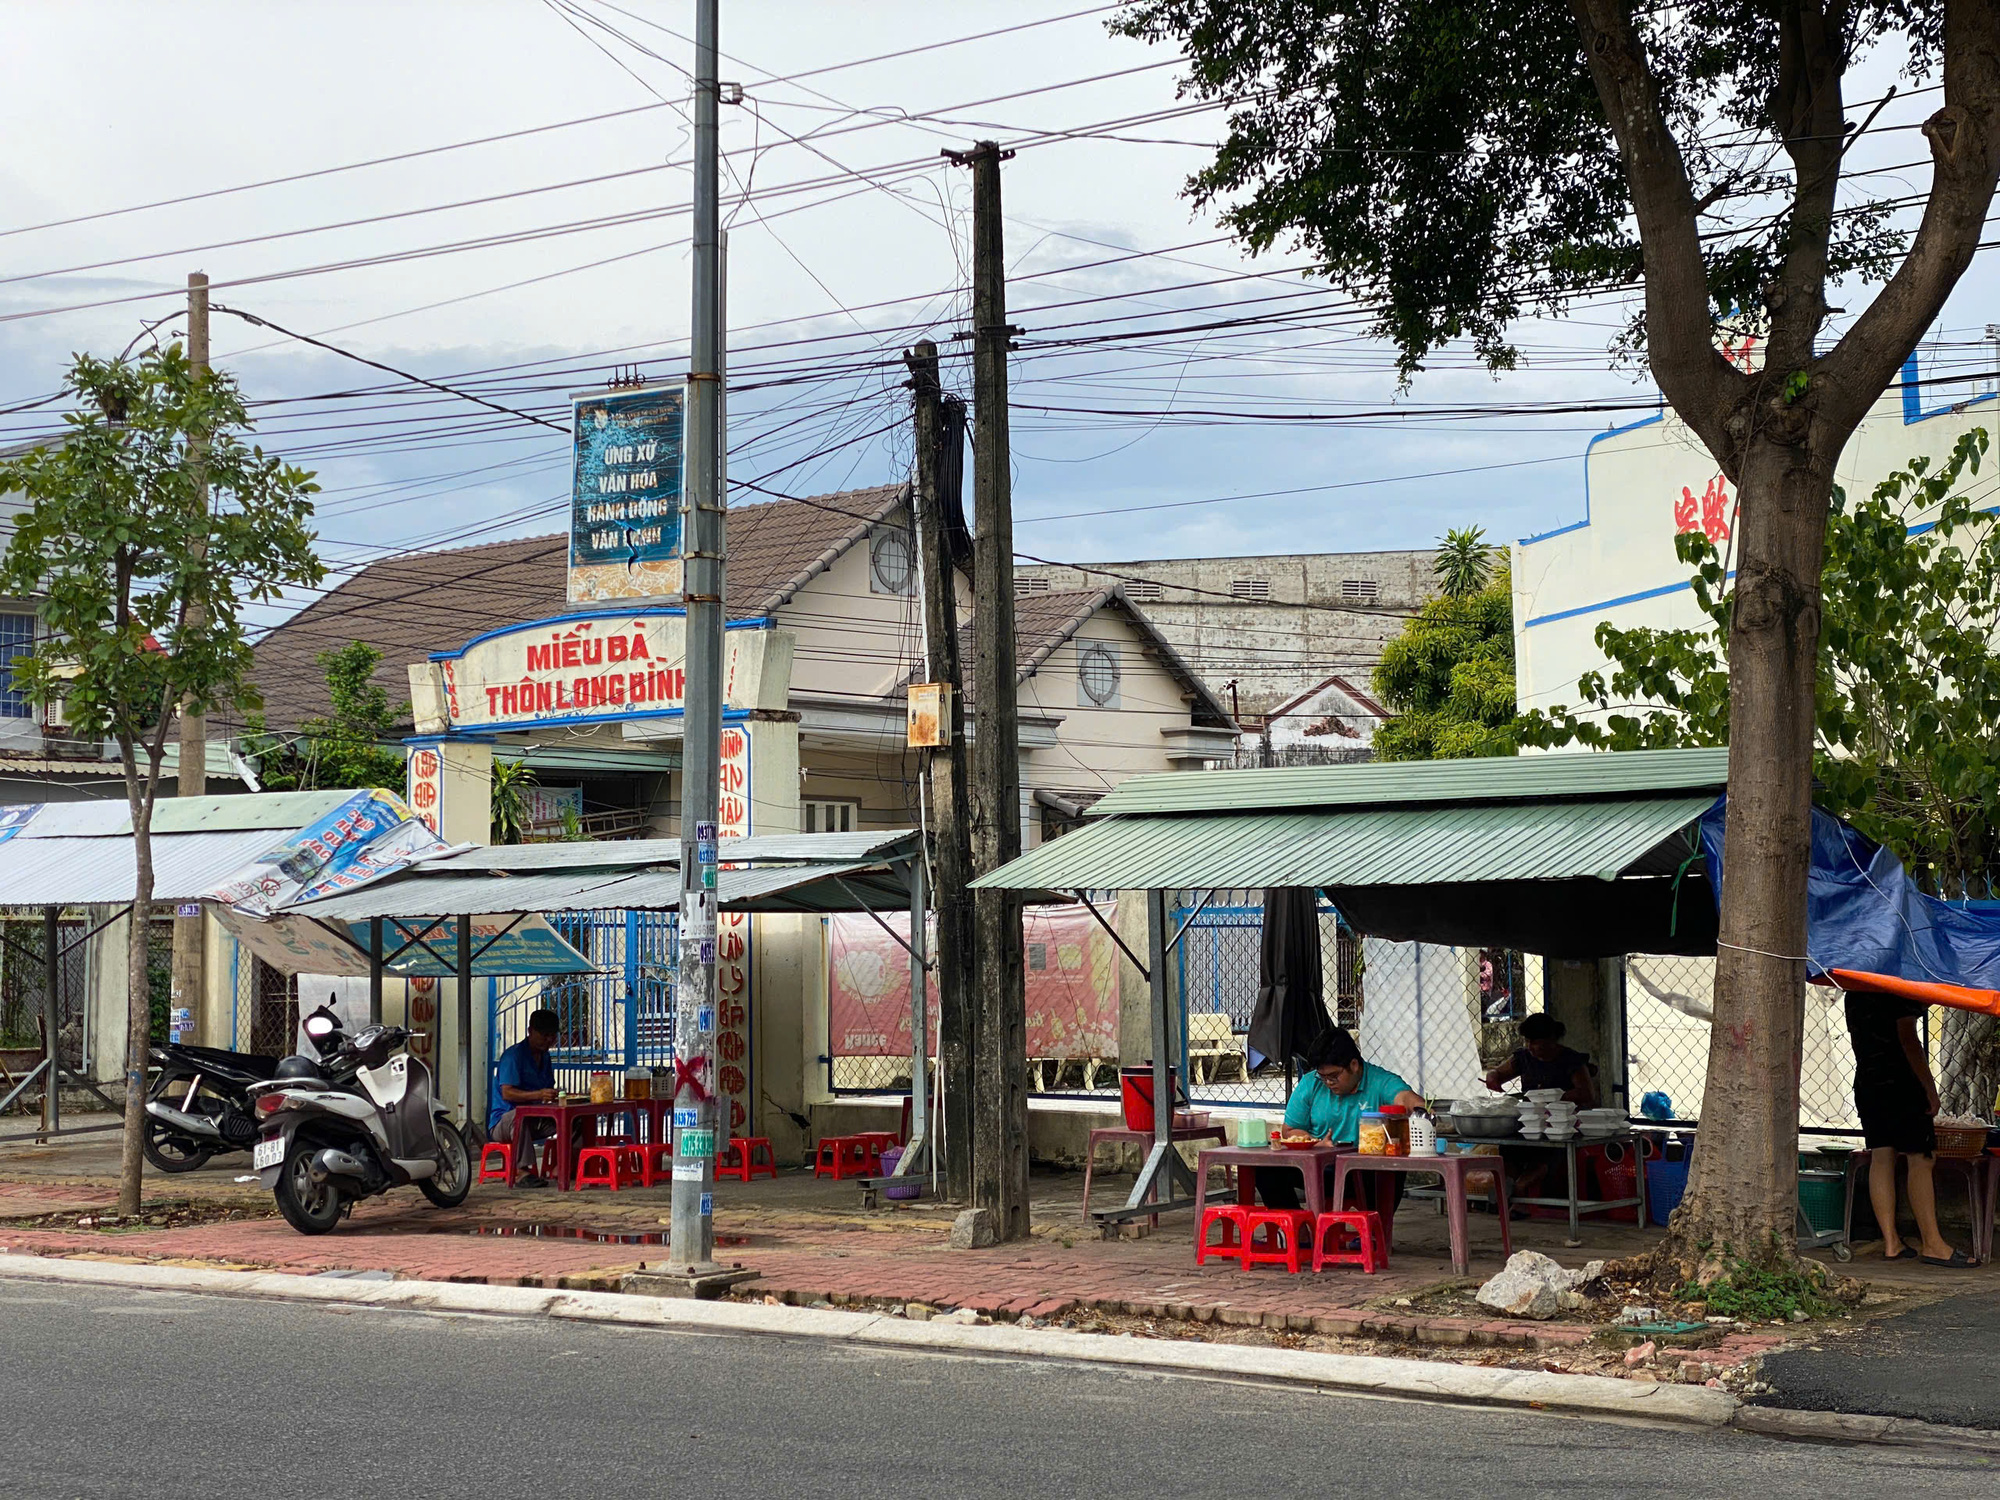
<point x="1516" y="840"/>
<point x="1376" y="783"/>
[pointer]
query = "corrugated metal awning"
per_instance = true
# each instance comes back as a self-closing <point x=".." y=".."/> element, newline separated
<point x="1425" y="845"/>
<point x="850" y="886"/>
<point x="1378" y="784"/>
<point x="101" y="871"/>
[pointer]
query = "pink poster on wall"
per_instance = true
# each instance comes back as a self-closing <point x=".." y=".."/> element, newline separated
<point x="1072" y="968"/>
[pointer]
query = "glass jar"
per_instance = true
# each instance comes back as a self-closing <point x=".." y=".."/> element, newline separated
<point x="1396" y="1121"/>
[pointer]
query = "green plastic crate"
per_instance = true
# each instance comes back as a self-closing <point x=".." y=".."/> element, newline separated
<point x="1824" y="1203"/>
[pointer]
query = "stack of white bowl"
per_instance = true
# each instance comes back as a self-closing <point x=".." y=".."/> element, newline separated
<point x="1562" y="1120"/>
<point x="1600" y="1122"/>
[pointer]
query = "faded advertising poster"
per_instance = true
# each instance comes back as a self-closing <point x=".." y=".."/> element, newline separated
<point x="625" y="495"/>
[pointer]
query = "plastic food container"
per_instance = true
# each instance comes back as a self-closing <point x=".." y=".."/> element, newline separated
<point x="601" y="1091"/>
<point x="638" y="1083"/>
<point x="1373" y="1139"/>
<point x="1396" y="1120"/>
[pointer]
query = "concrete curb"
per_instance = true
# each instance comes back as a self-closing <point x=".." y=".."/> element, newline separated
<point x="1853" y="1427"/>
<point x="1573" y="1395"/>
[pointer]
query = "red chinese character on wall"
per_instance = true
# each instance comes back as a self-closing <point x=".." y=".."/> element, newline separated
<point x="1708" y="513"/>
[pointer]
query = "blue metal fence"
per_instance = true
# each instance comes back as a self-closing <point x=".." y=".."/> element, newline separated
<point x="618" y="1017"/>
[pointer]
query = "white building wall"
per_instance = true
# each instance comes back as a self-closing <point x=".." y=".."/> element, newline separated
<point x="1640" y="483"/>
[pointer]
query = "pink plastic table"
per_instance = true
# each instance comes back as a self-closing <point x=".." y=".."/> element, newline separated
<point x="1311" y="1163"/>
<point x="1453" y="1169"/>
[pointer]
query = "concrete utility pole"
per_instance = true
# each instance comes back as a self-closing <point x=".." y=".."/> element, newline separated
<point x="1000" y="1036"/>
<point x="189" y="969"/>
<point x="951" y="837"/>
<point x="691" y="1250"/>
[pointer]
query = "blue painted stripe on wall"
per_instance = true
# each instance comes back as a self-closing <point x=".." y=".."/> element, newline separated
<point x="1658" y="416"/>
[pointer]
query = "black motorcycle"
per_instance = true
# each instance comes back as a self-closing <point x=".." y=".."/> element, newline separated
<point x="199" y="1105"/>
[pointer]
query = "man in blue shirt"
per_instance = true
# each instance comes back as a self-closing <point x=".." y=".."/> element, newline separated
<point x="1328" y="1102"/>
<point x="524" y="1075"/>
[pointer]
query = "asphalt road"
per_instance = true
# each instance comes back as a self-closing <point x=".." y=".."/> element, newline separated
<point x="110" y="1394"/>
<point x="1940" y="1363"/>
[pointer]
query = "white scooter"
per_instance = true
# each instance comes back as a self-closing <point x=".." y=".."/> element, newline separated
<point x="361" y="1120"/>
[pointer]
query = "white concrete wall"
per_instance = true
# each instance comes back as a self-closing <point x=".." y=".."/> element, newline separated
<point x="1608" y="553"/>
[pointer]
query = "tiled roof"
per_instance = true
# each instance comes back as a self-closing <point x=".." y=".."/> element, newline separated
<point x="1042" y="622"/>
<point x="408" y="607"/>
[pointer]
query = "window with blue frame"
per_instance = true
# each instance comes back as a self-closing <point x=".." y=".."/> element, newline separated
<point x="17" y="638"/>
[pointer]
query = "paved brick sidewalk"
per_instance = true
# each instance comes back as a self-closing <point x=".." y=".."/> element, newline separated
<point x="809" y="1242"/>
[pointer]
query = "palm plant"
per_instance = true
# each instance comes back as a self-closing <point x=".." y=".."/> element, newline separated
<point x="511" y="780"/>
<point x="1464" y="562"/>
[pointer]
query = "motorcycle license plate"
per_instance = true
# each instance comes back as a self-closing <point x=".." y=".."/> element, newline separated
<point x="269" y="1153"/>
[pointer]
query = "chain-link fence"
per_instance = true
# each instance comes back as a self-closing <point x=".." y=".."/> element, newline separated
<point x="23" y="976"/>
<point x="1441" y="1017"/>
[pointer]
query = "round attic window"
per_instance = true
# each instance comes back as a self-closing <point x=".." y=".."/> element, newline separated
<point x="891" y="562"/>
<point x="1097" y="672"/>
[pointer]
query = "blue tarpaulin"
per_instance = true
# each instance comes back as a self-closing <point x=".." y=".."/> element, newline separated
<point x="1864" y="915"/>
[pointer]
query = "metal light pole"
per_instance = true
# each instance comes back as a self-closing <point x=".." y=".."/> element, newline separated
<point x="696" y="1105"/>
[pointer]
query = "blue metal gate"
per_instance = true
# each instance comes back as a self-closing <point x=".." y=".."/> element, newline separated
<point x="618" y="1017"/>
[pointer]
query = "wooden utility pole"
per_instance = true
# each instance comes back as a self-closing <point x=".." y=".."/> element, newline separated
<point x="951" y="814"/>
<point x="190" y="936"/>
<point x="1000" y="1033"/>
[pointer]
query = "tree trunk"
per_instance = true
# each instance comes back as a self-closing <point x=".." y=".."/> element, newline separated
<point x="1742" y="1192"/>
<point x="139" y="1021"/>
<point x="1968" y="1061"/>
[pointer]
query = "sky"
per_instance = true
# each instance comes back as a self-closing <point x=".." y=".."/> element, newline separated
<point x="534" y="266"/>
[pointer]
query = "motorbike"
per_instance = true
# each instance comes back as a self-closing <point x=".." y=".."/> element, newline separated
<point x="199" y="1104"/>
<point x="360" y="1120"/>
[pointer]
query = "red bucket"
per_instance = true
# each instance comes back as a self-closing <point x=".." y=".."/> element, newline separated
<point x="1135" y="1087"/>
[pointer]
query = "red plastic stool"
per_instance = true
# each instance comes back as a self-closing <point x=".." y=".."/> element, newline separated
<point x="844" y="1156"/>
<point x="604" y="1158"/>
<point x="748" y="1156"/>
<point x="1231" y="1217"/>
<point x="632" y="1168"/>
<point x="1333" y="1231"/>
<point x="657" y="1163"/>
<point x="502" y="1153"/>
<point x="1284" y="1240"/>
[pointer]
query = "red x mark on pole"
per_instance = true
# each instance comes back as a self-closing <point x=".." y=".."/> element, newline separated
<point x="688" y="1075"/>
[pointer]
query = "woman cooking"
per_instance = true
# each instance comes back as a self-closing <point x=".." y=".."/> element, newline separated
<point x="1327" y="1103"/>
<point x="1543" y="1062"/>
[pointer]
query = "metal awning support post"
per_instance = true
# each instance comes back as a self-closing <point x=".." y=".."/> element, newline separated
<point x="918" y="1146"/>
<point x="473" y="1112"/>
<point x="374" y="971"/>
<point x="1164" y="1172"/>
<point x="51" y="1048"/>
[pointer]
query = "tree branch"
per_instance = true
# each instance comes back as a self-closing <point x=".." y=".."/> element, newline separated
<point x="1965" y="162"/>
<point x="1697" y="381"/>
<point x="1806" y="109"/>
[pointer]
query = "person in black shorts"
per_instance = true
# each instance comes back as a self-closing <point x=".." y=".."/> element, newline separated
<point x="1898" y="1103"/>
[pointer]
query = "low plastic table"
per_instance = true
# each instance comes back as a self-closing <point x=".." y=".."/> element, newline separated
<point x="1311" y="1163"/>
<point x="1125" y="1135"/>
<point x="1454" y="1170"/>
<point x="568" y="1119"/>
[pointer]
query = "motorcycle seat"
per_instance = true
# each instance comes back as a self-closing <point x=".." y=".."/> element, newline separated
<point x="219" y="1057"/>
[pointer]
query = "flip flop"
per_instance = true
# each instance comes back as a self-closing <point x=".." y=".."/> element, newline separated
<point x="1958" y="1260"/>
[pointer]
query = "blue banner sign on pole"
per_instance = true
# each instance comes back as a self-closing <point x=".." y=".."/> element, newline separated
<point x="625" y="501"/>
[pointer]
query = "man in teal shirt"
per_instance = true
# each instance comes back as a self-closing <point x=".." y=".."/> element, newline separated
<point x="1328" y="1102"/>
